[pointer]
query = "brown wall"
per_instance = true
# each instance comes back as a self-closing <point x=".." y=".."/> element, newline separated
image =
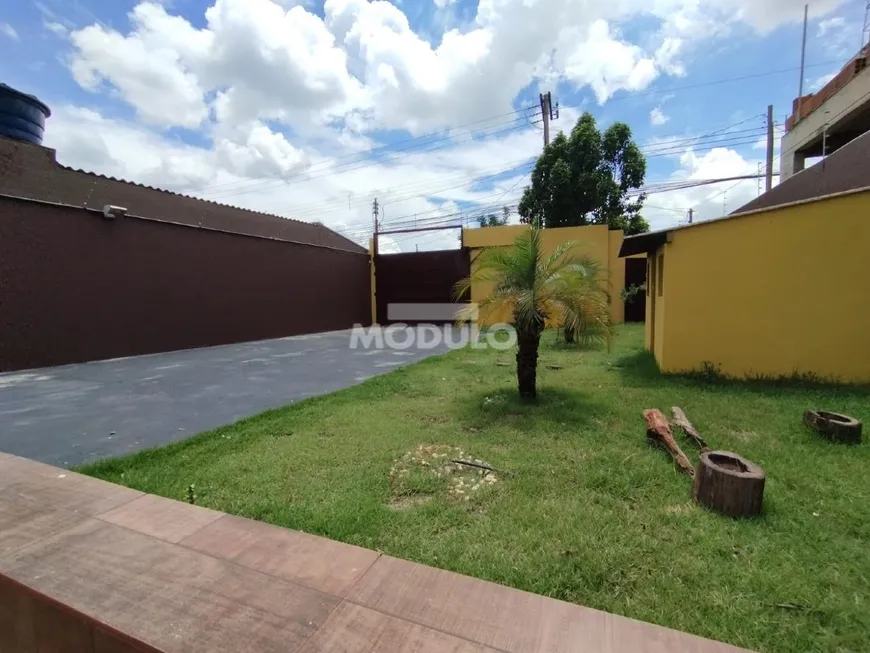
<point x="77" y="287"/>
<point x="418" y="278"/>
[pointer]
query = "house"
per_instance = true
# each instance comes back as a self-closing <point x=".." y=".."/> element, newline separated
<point x="772" y="292"/>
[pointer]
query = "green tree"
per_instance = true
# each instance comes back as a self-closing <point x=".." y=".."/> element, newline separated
<point x="494" y="220"/>
<point x="585" y="178"/>
<point x="536" y="287"/>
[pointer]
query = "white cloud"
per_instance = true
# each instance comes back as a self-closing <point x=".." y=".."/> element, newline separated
<point x="711" y="201"/>
<point x="608" y="64"/>
<point x="272" y="87"/>
<point x="147" y="67"/>
<point x="8" y="31"/>
<point x="272" y="61"/>
<point x="832" y="24"/>
<point x="657" y="117"/>
<point x="58" y="29"/>
<point x="257" y="152"/>
<point x="838" y="37"/>
<point x="820" y="82"/>
<point x="443" y="3"/>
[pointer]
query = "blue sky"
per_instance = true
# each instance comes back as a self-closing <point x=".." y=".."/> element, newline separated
<point x="268" y="107"/>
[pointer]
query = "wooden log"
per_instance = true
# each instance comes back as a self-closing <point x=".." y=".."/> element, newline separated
<point x="683" y="422"/>
<point x="658" y="431"/>
<point x="833" y="426"/>
<point x="729" y="484"/>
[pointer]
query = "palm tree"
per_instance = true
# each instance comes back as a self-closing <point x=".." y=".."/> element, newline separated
<point x="586" y="319"/>
<point x="537" y="288"/>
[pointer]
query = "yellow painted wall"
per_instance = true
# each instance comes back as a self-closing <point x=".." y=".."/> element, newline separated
<point x="595" y="241"/>
<point x="770" y="293"/>
<point x="657" y="300"/>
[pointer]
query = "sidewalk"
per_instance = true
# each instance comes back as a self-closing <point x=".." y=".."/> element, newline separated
<point x="88" y="566"/>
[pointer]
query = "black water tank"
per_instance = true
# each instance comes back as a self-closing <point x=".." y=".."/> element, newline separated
<point x="22" y="116"/>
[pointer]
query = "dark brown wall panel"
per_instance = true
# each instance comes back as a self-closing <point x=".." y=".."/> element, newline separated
<point x="75" y="287"/>
<point x="419" y="277"/>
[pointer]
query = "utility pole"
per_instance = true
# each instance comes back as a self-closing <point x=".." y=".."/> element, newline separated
<point x="768" y="179"/>
<point x="548" y="113"/>
<point x="691" y="215"/>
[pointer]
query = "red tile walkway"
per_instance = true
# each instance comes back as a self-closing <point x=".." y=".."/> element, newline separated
<point x="91" y="567"/>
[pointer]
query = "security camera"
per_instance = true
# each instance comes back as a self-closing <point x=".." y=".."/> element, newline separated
<point x="110" y="211"/>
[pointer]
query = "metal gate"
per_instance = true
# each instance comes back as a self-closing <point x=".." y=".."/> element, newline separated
<point x="418" y="278"/>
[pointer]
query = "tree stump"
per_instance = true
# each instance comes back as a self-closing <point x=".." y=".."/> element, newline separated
<point x="729" y="484"/>
<point x="833" y="426"/>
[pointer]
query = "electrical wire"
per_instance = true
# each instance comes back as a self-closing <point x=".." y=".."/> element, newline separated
<point x="305" y="177"/>
<point x="445" y="134"/>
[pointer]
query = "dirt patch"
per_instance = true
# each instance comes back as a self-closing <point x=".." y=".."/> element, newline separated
<point x="428" y="470"/>
<point x="406" y="502"/>
<point x="434" y="419"/>
<point x="681" y="509"/>
<point x="743" y="436"/>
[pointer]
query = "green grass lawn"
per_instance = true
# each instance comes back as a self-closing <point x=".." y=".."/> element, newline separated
<point x="592" y="514"/>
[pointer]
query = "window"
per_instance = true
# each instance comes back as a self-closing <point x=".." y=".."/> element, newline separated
<point x="661" y="272"/>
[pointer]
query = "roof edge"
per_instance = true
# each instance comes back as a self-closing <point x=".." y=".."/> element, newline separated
<point x="653" y="239"/>
<point x="133" y="216"/>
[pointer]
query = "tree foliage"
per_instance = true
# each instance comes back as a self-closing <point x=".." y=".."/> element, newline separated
<point x="562" y="287"/>
<point x="495" y="220"/>
<point x="585" y="179"/>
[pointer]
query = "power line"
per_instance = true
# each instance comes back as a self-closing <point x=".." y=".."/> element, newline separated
<point x="725" y="80"/>
<point x="439" y="135"/>
<point x="341" y="169"/>
<point x="713" y="140"/>
<point x="519" y="111"/>
<point x="424" y="188"/>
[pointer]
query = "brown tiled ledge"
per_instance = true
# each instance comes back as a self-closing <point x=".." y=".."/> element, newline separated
<point x="88" y="566"/>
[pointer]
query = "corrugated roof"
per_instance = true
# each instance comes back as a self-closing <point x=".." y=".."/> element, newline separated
<point x="31" y="171"/>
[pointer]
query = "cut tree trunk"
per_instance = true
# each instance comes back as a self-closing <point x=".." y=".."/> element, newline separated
<point x="729" y="484"/>
<point x="527" y="362"/>
<point x="683" y="422"/>
<point x="658" y="431"/>
<point x="833" y="426"/>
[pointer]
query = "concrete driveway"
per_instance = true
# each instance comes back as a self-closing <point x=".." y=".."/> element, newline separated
<point x="78" y="413"/>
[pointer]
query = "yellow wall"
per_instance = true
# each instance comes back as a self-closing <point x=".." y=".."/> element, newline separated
<point x="595" y="241"/>
<point x="771" y="293"/>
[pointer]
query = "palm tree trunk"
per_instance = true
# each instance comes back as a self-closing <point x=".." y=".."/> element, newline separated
<point x="527" y="362"/>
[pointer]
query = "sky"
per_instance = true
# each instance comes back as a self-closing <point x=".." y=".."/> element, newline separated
<point x="311" y="109"/>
